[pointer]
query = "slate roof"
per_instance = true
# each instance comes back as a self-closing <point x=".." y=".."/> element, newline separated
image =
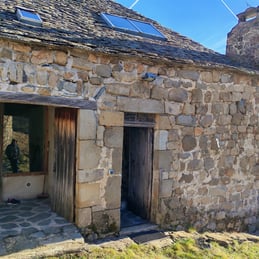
<point x="78" y="23"/>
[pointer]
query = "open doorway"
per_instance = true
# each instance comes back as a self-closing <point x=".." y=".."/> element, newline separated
<point x="22" y="156"/>
<point x="136" y="176"/>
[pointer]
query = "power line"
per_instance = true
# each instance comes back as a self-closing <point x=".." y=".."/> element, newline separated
<point x="134" y="4"/>
<point x="229" y="9"/>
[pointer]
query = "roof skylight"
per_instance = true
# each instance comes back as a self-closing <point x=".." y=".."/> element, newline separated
<point x="132" y="25"/>
<point x="28" y="16"/>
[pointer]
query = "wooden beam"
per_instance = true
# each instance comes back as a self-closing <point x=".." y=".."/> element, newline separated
<point x="12" y="97"/>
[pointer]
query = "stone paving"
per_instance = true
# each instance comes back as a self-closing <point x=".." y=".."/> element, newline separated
<point x="31" y="224"/>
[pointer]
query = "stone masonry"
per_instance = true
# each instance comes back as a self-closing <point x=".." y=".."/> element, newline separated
<point x="206" y="137"/>
<point x="243" y="40"/>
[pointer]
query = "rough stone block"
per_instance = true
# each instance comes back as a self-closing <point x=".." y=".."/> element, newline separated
<point x="186" y="178"/>
<point x="70" y="87"/>
<point x="22" y="57"/>
<point x="178" y="95"/>
<point x="118" y="89"/>
<point x="140" y="90"/>
<point x="53" y="79"/>
<point x="117" y="160"/>
<point x="161" y="139"/>
<point x="100" y="133"/>
<point x="89" y="155"/>
<point x="217" y="108"/>
<point x="189" y="74"/>
<point x="206" y="121"/>
<point x="112" y="192"/>
<point x="86" y="177"/>
<point x="42" y="77"/>
<point x="107" y="221"/>
<point x="218" y="191"/>
<point x="224" y="119"/>
<point x="92" y="58"/>
<point x="21" y="48"/>
<point x="94" y="80"/>
<point x="163" y="160"/>
<point x="87" y="194"/>
<point x="189" y="109"/>
<point x="194" y="165"/>
<point x="107" y="118"/>
<point x="163" y="123"/>
<point x="42" y="57"/>
<point x="12" y="72"/>
<point x="81" y="64"/>
<point x="6" y="53"/>
<point x="113" y="137"/>
<point x="186" y="120"/>
<point x="103" y="71"/>
<point x="169" y="83"/>
<point x="197" y="96"/>
<point x="237" y="119"/>
<point x="207" y="77"/>
<point x="208" y="163"/>
<point x="173" y="135"/>
<point x="87" y="124"/>
<point x="123" y="76"/>
<point x="225" y="96"/>
<point x="159" y="93"/>
<point x="139" y="105"/>
<point x="83" y="217"/>
<point x="207" y="97"/>
<point x="189" y="143"/>
<point x="173" y="108"/>
<point x="28" y="88"/>
<point x="226" y="78"/>
<point x="203" y="191"/>
<point x="198" y="131"/>
<point x="60" y="58"/>
<point x="166" y="188"/>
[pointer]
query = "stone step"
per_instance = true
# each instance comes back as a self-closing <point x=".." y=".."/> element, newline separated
<point x="127" y="231"/>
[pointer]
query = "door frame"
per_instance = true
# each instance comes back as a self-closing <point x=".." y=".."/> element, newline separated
<point x="140" y="120"/>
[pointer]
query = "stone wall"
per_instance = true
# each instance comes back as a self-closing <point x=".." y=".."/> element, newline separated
<point x="206" y="137"/>
<point x="243" y="40"/>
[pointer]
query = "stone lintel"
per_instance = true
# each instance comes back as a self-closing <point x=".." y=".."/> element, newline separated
<point x="108" y="118"/>
<point x="140" y="105"/>
<point x="47" y="100"/>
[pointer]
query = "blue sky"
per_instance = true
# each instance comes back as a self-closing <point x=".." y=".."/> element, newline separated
<point x="205" y="21"/>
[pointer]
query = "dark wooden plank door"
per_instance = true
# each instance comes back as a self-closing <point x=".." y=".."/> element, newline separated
<point x="140" y="143"/>
<point x="63" y="188"/>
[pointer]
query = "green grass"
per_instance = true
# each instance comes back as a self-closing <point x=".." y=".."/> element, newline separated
<point x="184" y="248"/>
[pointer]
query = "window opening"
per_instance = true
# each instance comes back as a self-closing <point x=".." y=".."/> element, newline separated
<point x="132" y="25"/>
<point x="139" y="119"/>
<point x="23" y="138"/>
<point x="28" y="16"/>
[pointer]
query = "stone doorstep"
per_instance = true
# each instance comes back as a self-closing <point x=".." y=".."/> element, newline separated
<point x="18" y="243"/>
<point x="154" y="238"/>
<point x="142" y="228"/>
<point x="48" y="250"/>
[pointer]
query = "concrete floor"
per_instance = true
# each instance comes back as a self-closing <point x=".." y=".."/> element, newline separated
<point x="31" y="224"/>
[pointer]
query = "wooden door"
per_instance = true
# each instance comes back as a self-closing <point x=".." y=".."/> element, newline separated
<point x="139" y="166"/>
<point x="63" y="185"/>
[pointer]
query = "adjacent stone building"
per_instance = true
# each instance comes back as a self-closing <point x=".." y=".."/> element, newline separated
<point x="117" y="117"/>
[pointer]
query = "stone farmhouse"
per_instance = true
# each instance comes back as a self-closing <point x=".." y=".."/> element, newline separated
<point x="109" y="108"/>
